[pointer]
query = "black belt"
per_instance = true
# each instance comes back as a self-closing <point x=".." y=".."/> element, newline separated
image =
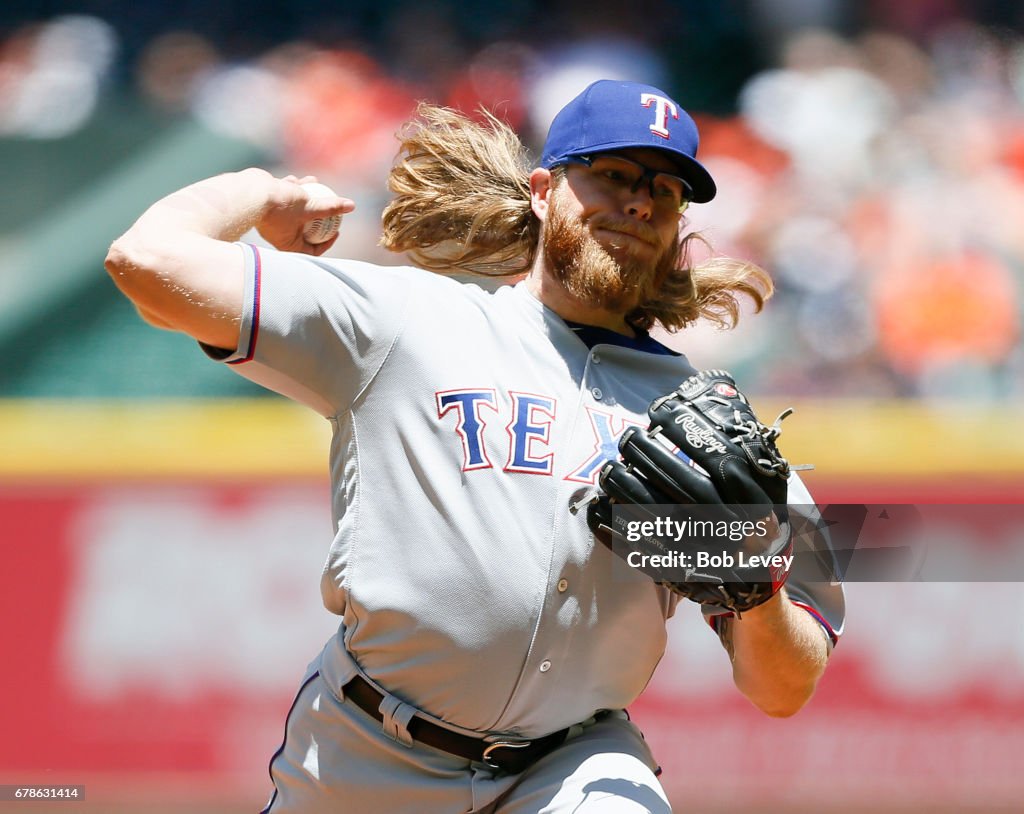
<point x="511" y="756"/>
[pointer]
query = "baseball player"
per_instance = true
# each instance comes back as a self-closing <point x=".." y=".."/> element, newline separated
<point x="488" y="644"/>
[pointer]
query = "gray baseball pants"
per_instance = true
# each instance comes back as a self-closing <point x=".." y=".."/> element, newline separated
<point x="337" y="758"/>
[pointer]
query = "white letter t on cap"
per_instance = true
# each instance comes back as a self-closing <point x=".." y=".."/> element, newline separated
<point x="662" y="106"/>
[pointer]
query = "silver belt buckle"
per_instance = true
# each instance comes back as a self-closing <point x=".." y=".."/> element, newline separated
<point x="489" y="760"/>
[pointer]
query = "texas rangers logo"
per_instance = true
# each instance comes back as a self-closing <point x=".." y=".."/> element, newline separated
<point x="662" y="108"/>
<point x="699" y="436"/>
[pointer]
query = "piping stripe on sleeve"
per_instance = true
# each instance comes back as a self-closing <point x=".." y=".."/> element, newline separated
<point x="819" y="619"/>
<point x="254" y="327"/>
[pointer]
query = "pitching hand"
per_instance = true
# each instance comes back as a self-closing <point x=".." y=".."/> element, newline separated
<point x="289" y="208"/>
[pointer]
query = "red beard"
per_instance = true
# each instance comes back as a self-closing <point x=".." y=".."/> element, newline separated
<point x="590" y="273"/>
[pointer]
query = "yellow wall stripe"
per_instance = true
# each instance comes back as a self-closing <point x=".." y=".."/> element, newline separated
<point x="271" y="437"/>
<point x="161" y="438"/>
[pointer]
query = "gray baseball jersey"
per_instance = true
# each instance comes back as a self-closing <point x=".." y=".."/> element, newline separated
<point x="465" y="423"/>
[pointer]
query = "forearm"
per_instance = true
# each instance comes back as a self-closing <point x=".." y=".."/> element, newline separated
<point x="778" y="654"/>
<point x="223" y="207"/>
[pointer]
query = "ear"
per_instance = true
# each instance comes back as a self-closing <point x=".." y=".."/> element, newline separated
<point x="540" y="192"/>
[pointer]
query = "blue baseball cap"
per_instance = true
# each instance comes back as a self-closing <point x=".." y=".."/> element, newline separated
<point x="611" y="115"/>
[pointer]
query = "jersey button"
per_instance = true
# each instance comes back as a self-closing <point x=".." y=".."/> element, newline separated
<point x="596" y="359"/>
<point x="562" y="585"/>
<point x="596" y="393"/>
<point x="545" y="666"/>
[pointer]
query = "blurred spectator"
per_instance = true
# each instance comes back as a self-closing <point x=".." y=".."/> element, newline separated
<point x="340" y="112"/>
<point x="497" y="78"/>
<point x="51" y="75"/>
<point x="955" y="308"/>
<point x="171" y="66"/>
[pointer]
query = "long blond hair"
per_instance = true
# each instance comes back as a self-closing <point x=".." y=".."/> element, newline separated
<point x="462" y="204"/>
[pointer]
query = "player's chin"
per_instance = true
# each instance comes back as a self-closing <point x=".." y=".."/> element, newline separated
<point x="637" y="262"/>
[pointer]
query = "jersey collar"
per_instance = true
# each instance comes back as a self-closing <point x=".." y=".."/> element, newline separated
<point x="591" y="335"/>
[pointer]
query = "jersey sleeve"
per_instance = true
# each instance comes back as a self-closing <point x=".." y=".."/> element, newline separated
<point x="814" y="584"/>
<point x="317" y="330"/>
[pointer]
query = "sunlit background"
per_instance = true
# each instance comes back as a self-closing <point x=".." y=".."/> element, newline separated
<point x="163" y="522"/>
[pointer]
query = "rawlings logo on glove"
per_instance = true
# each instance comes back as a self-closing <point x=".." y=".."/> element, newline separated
<point x="734" y="474"/>
<point x="700" y="437"/>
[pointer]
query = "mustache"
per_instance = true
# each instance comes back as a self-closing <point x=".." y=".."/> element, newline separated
<point x="634" y="228"/>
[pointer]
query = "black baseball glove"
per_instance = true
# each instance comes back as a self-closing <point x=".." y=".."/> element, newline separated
<point x="723" y="538"/>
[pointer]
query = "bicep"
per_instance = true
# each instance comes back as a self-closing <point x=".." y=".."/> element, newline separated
<point x="193" y="284"/>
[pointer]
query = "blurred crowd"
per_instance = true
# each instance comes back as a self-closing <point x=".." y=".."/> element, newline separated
<point x="883" y="186"/>
<point x="879" y="176"/>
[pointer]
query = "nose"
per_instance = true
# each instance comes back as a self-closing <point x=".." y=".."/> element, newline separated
<point x="640" y="202"/>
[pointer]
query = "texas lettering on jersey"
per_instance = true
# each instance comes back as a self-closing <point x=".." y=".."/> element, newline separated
<point x="528" y="431"/>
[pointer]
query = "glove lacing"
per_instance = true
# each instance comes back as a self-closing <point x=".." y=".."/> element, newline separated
<point x="752" y="430"/>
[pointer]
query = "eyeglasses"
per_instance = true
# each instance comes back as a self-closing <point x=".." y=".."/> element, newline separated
<point x="667" y="190"/>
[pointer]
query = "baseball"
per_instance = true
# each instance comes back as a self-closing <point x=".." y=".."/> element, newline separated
<point x="322" y="229"/>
